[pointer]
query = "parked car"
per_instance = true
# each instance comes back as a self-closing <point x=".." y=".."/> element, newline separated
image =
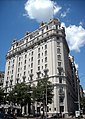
<point x="9" y="116"/>
<point x="54" y="116"/>
<point x="1" y="115"/>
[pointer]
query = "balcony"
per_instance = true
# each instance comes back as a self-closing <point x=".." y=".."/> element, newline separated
<point x="61" y="93"/>
<point x="61" y="103"/>
<point x="33" y="41"/>
<point x="38" y="74"/>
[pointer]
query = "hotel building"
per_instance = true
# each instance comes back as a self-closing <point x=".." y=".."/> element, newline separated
<point x="45" y="48"/>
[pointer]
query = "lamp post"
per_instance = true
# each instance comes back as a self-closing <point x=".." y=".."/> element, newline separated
<point x="46" y="100"/>
<point x="46" y="76"/>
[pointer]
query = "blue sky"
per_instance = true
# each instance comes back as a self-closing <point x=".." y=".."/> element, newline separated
<point x="16" y="19"/>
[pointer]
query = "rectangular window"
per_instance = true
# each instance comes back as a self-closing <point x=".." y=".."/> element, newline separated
<point x="39" y="55"/>
<point x="42" y="67"/>
<point x="42" y="60"/>
<point x="61" y="90"/>
<point x="25" y="67"/>
<point x="6" y="83"/>
<point x="59" y="71"/>
<point x="45" y="66"/>
<point x="24" y="73"/>
<point x="45" y="46"/>
<point x="38" y="68"/>
<point x="58" y="50"/>
<point x="45" y="52"/>
<point x="58" y="44"/>
<point x="25" y="61"/>
<point x="19" y="58"/>
<point x="61" y="109"/>
<point x="13" y="60"/>
<point x="38" y="49"/>
<point x="57" y="38"/>
<point x="9" y="62"/>
<point x="59" y="57"/>
<point x="8" y="73"/>
<point x="61" y="99"/>
<point x="38" y="62"/>
<point x="17" y="75"/>
<point x="19" y="64"/>
<point x="12" y="71"/>
<point x="31" y="70"/>
<point x="32" y="52"/>
<point x="60" y="80"/>
<point x="11" y="82"/>
<point x="31" y="58"/>
<point x="25" y="56"/>
<point x="59" y="64"/>
<point x="17" y="81"/>
<point x="42" y="30"/>
<point x="13" y="66"/>
<point x="13" y="47"/>
<point x="23" y="79"/>
<point x="38" y="75"/>
<point x="45" y="59"/>
<point x="46" y="27"/>
<point x="31" y="65"/>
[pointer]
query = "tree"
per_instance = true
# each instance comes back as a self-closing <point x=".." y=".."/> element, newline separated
<point x="39" y="92"/>
<point x="1" y="95"/>
<point x="20" y="94"/>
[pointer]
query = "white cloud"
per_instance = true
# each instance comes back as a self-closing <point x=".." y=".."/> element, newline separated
<point x="75" y="36"/>
<point x="65" y="13"/>
<point x="41" y="10"/>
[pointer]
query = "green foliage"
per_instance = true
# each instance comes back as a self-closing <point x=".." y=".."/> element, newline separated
<point x="1" y="95"/>
<point x="39" y="91"/>
<point x="23" y="94"/>
<point x="20" y="94"/>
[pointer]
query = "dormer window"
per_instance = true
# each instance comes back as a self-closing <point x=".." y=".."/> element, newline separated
<point x="13" y="47"/>
<point x="16" y="44"/>
<point x="46" y="27"/>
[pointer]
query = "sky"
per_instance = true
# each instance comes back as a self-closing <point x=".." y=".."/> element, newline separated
<point x="19" y="16"/>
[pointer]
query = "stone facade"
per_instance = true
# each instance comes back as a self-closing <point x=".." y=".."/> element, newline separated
<point x="1" y="79"/>
<point x="45" y="48"/>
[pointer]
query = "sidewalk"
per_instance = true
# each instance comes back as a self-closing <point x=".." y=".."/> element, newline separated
<point x="26" y="118"/>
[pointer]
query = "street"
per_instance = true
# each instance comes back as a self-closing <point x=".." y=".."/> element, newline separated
<point x="39" y="118"/>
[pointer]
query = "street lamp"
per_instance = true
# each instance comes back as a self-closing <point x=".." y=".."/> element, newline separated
<point x="46" y="76"/>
